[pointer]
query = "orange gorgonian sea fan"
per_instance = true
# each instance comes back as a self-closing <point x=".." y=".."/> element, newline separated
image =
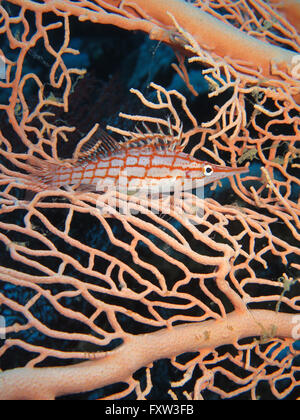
<point x="111" y="293"/>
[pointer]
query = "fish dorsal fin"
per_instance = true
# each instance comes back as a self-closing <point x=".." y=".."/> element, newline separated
<point x="160" y="140"/>
<point x="97" y="144"/>
<point x="147" y="142"/>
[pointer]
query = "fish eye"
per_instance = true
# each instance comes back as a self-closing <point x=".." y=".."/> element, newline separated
<point x="208" y="170"/>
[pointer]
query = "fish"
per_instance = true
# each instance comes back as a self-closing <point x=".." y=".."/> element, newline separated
<point x="150" y="165"/>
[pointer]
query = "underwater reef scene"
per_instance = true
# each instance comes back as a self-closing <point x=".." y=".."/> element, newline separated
<point x="149" y="199"/>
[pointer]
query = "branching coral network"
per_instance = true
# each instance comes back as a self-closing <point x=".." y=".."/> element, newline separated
<point x="93" y="296"/>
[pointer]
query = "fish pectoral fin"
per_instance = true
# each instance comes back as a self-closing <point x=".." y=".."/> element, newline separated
<point x="83" y="188"/>
<point x="133" y="192"/>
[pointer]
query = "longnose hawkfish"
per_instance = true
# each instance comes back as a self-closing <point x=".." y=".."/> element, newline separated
<point x="150" y="165"/>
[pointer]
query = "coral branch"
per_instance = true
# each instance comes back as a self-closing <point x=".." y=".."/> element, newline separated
<point x="139" y="351"/>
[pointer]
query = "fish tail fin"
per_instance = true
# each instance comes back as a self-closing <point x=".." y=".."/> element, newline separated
<point x="41" y="173"/>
